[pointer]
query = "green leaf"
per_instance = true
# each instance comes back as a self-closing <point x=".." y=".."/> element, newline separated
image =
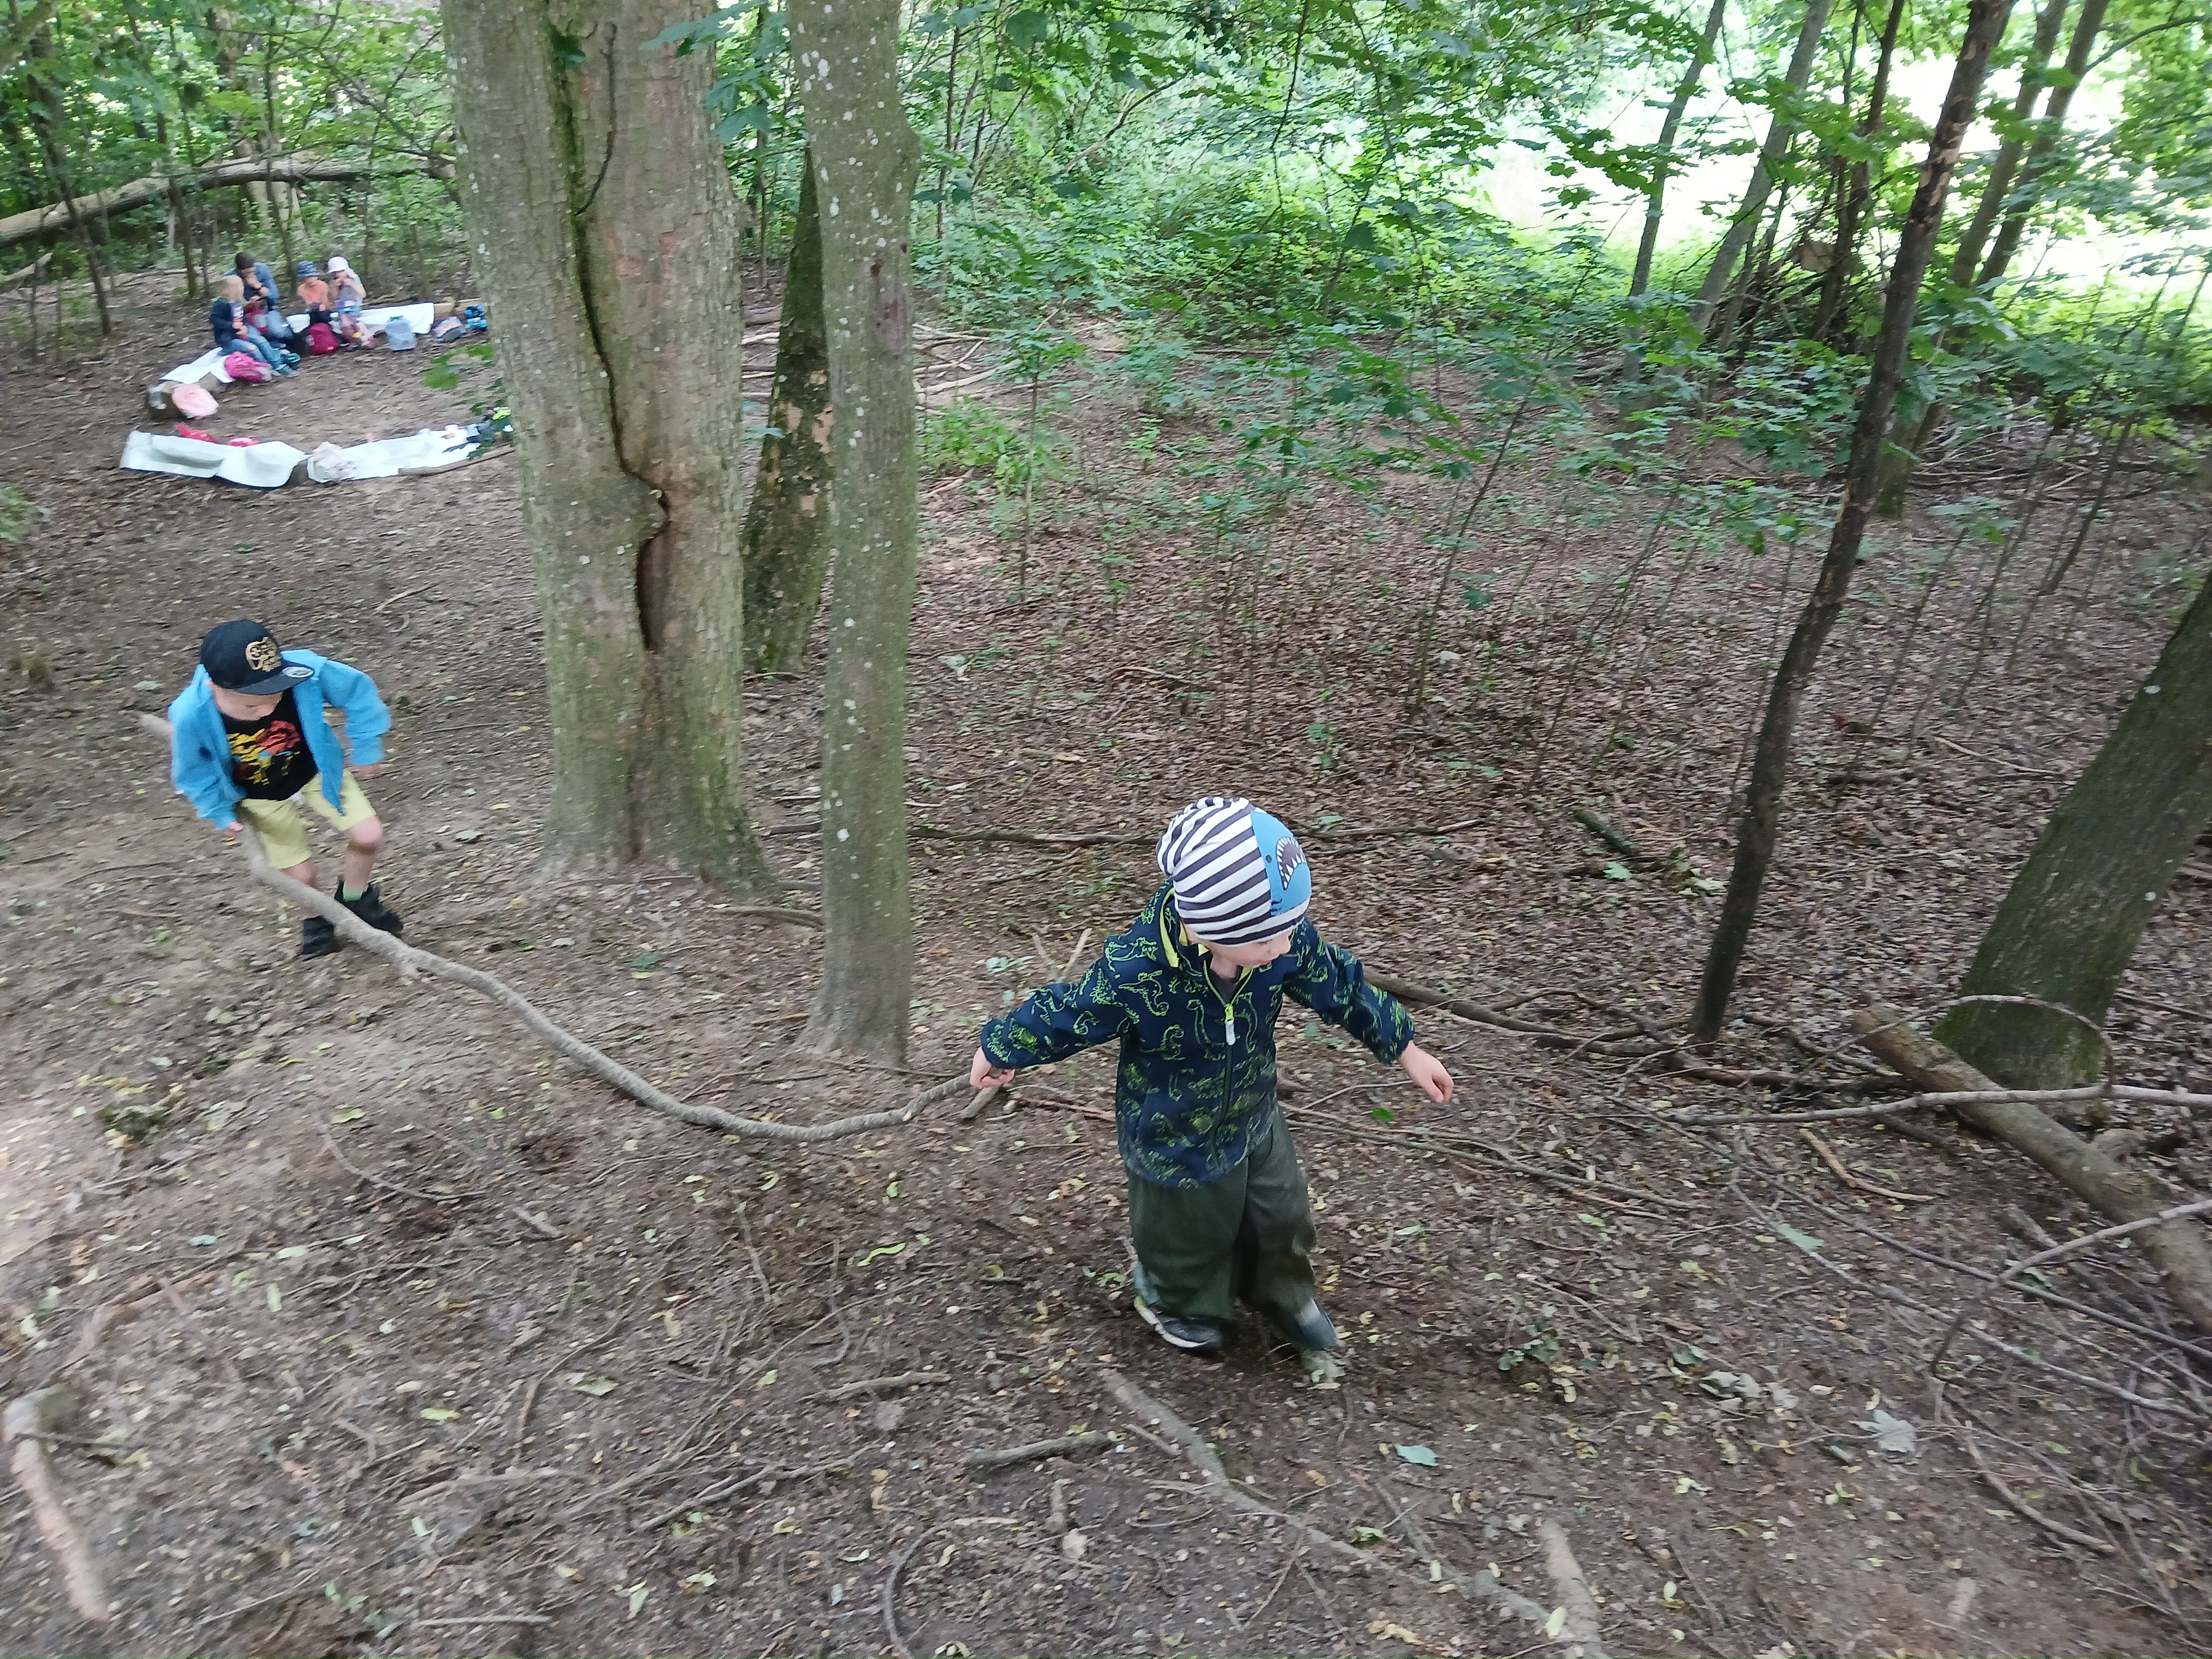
<point x="1556" y="1623"/>
<point x="440" y="1413"/>
<point x="1617" y="872"/>
<point x="593" y="1386"/>
<point x="1026" y="28"/>
<point x="1382" y="1114"/>
<point x="646" y="959"/>
<point x="1420" y="1455"/>
<point x="1804" y="1241"/>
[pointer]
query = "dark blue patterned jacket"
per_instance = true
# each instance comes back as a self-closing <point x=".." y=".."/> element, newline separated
<point x="1197" y="1077"/>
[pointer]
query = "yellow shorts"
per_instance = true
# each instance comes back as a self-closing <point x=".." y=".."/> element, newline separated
<point x="283" y="837"/>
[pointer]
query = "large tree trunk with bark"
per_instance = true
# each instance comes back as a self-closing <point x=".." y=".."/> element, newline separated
<point x="2069" y="923"/>
<point x="1762" y="814"/>
<point x="604" y="226"/>
<point x="1780" y="130"/>
<point x="2178" y="1248"/>
<point x="788" y="526"/>
<point x="866" y="157"/>
<point x="1654" y="201"/>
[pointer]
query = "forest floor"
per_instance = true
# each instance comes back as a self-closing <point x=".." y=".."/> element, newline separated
<point x="608" y="1388"/>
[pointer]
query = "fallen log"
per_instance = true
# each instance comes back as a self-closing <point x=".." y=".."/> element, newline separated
<point x="2178" y="1248"/>
<point x="24" y="1426"/>
<point x="250" y="170"/>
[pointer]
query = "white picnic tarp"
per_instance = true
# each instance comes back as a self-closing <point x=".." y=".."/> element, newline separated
<point x="387" y="457"/>
<point x="260" y="467"/>
<point x="211" y="362"/>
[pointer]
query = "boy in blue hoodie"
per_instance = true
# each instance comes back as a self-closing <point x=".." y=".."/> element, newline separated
<point x="249" y="741"/>
<point x="1218" y="1206"/>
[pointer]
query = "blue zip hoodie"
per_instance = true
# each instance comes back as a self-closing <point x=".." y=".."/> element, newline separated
<point x="1196" y="1083"/>
<point x="199" y="752"/>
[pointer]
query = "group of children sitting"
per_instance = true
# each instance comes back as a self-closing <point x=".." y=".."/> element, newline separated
<point x="247" y="318"/>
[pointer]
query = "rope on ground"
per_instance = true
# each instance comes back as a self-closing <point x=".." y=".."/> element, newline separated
<point x="410" y="960"/>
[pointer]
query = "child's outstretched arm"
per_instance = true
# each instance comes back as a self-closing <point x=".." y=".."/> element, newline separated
<point x="1057" y="1021"/>
<point x="1332" y="983"/>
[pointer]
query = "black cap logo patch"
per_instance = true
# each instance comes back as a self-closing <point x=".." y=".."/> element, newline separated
<point x="262" y="654"/>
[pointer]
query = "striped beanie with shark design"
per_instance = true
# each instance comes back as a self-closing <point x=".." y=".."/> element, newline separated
<point x="1238" y="873"/>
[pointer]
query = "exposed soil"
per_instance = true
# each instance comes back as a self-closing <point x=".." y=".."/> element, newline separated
<point x="341" y="1419"/>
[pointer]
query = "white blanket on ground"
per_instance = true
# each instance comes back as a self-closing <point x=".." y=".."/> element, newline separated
<point x="389" y="457"/>
<point x="211" y="362"/>
<point x="262" y="466"/>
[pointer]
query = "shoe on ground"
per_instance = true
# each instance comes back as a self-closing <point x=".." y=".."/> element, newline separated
<point x="1191" y="1335"/>
<point x="371" y="908"/>
<point x="318" y="938"/>
<point x="1308" y="1329"/>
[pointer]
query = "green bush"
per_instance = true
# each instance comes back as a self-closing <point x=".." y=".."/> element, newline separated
<point x="969" y="436"/>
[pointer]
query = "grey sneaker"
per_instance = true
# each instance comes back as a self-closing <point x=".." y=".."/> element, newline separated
<point x="1308" y="1329"/>
<point x="1191" y="1335"/>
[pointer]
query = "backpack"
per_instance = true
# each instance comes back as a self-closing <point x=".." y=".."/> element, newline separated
<point x="322" y="339"/>
<point x="474" y="318"/>
<point x="447" y="328"/>
<point x="398" y="332"/>
<point x="245" y="366"/>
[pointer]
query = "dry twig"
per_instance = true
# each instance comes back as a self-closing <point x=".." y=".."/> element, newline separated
<point x="1836" y="1167"/>
<point x="989" y="1458"/>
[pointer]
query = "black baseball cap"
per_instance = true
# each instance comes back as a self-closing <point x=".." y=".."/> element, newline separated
<point x="243" y="656"/>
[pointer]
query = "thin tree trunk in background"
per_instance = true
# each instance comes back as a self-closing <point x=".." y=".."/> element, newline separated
<point x="1762" y="815"/>
<point x="601" y="210"/>
<point x="787" y="525"/>
<point x="2004" y="166"/>
<point x="51" y="118"/>
<point x="2042" y="153"/>
<point x="1850" y="210"/>
<point x="1655" y="200"/>
<point x="866" y="157"/>
<point x="2071" y="920"/>
<point x="1779" y="131"/>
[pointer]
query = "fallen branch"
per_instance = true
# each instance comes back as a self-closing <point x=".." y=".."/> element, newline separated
<point x="1612" y="837"/>
<point x="2056" y="1528"/>
<point x="1580" y="1632"/>
<point x="1067" y="1444"/>
<point x="1193" y="1447"/>
<point x="22" y="1426"/>
<point x="33" y="272"/>
<point x="1836" y="1167"/>
<point x="288" y="170"/>
<point x="882" y="1384"/>
<point x="410" y="959"/>
<point x="890" y="1591"/>
<point x="2178" y="1247"/>
<point x="1955" y="1098"/>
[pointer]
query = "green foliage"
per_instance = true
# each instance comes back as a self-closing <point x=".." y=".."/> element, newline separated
<point x="19" y="514"/>
<point x="969" y="436"/>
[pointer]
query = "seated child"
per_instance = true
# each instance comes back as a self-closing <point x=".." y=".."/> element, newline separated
<point x="348" y="296"/>
<point x="227" y="322"/>
<point x="1218" y="1206"/>
<point x="314" y="293"/>
<point x="249" y="742"/>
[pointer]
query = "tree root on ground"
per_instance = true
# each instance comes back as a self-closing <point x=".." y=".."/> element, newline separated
<point x="23" y="1427"/>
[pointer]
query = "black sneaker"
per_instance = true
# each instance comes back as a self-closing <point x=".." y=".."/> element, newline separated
<point x="318" y="938"/>
<point x="1191" y="1335"/>
<point x="1308" y="1329"/>
<point x="371" y="908"/>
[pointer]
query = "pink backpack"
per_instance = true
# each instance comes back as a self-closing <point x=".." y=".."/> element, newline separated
<point x="322" y="340"/>
<point x="244" y="365"/>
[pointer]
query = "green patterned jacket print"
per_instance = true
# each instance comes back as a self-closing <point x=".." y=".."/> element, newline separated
<point x="1197" y="1079"/>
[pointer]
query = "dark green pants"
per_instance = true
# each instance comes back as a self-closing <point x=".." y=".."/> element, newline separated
<point x="1248" y="1237"/>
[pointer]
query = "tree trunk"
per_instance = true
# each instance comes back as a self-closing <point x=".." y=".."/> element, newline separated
<point x="865" y="157"/>
<point x="55" y="216"/>
<point x="1655" y="200"/>
<point x="2178" y="1248"/>
<point x="2004" y="166"/>
<point x="50" y="119"/>
<point x="2043" y="152"/>
<point x="788" y="526"/>
<point x="1762" y="816"/>
<point x="1858" y="191"/>
<point x="603" y="221"/>
<point x="1779" y="131"/>
<point x="2070" y="921"/>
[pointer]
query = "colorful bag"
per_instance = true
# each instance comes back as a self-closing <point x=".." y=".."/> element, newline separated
<point x="244" y="365"/>
<point x="447" y="328"/>
<point x="322" y="339"/>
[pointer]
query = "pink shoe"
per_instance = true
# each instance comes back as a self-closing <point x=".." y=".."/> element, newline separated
<point x="244" y="443"/>
<point x="184" y="431"/>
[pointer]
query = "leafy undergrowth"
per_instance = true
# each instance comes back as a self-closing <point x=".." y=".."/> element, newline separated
<point x="330" y="1417"/>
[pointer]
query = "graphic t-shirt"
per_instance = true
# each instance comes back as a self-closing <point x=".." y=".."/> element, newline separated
<point x="268" y="756"/>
